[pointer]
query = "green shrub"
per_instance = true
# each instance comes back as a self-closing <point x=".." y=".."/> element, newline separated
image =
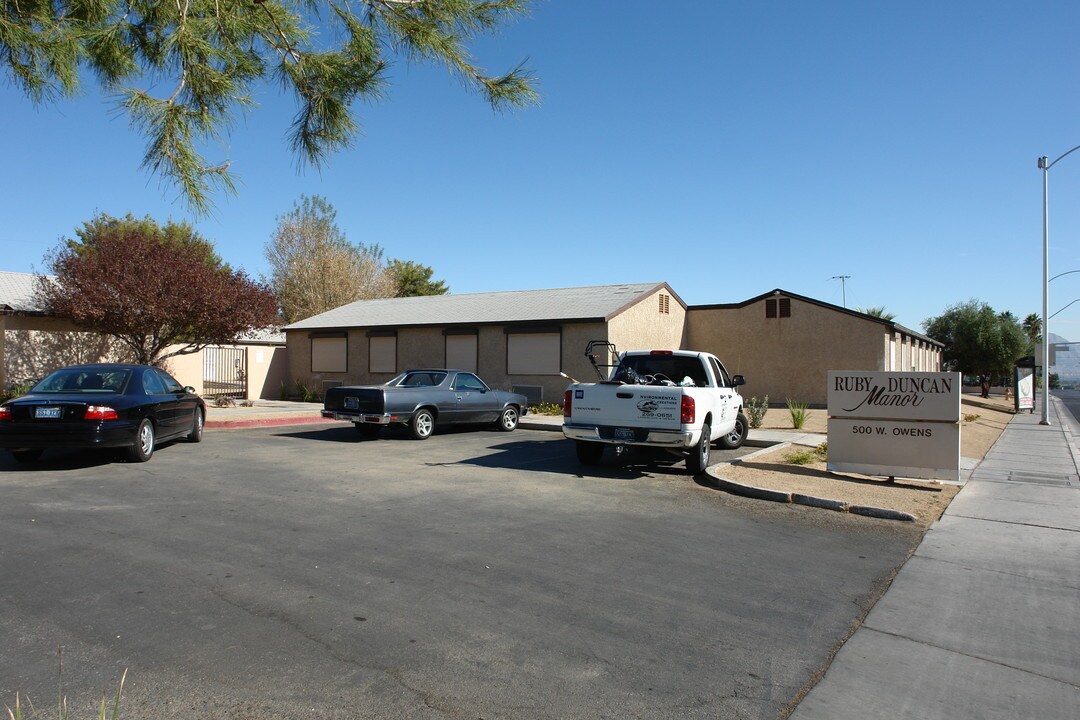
<point x="15" y="390"/>
<point x="755" y="411"/>
<point x="805" y="457"/>
<point x="546" y="408"/>
<point x="798" y="413"/>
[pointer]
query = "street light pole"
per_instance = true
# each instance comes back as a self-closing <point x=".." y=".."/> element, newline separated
<point x="1045" y="165"/>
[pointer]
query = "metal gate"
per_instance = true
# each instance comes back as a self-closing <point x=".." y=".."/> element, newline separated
<point x="225" y="372"/>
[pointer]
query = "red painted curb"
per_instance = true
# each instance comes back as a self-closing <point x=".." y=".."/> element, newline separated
<point x="266" y="422"/>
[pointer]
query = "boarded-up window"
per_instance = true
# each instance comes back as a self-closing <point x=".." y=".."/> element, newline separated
<point x="329" y="354"/>
<point x="533" y="353"/>
<point x="382" y="354"/>
<point x="461" y="352"/>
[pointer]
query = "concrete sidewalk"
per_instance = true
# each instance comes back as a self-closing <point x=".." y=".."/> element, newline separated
<point x="983" y="621"/>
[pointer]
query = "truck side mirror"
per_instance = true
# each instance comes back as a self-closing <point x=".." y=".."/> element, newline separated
<point x="738" y="380"/>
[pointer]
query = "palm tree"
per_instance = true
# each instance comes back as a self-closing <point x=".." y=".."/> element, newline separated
<point x="878" y="311"/>
<point x="1033" y="328"/>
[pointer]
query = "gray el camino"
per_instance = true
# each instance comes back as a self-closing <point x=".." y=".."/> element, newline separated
<point x="418" y="399"/>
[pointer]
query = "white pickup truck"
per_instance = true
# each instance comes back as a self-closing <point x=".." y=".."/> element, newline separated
<point x="677" y="400"/>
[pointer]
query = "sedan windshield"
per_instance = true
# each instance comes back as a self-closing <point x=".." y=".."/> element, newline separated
<point x="74" y="380"/>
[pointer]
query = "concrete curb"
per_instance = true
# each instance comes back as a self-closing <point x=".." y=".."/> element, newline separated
<point x="759" y="493"/>
<point x="265" y="422"/>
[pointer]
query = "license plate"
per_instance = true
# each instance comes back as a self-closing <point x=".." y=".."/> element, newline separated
<point x="624" y="434"/>
<point x="352" y="403"/>
<point x="47" y="412"/>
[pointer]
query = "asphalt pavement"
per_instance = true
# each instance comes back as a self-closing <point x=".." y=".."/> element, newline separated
<point x="983" y="621"/>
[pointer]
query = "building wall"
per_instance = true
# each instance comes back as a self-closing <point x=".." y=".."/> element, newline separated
<point x="787" y="357"/>
<point x="426" y="347"/>
<point x="267" y="369"/>
<point x="33" y="346"/>
<point x="644" y="327"/>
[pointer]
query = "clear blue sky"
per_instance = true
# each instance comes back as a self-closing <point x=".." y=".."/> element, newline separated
<point x="725" y="147"/>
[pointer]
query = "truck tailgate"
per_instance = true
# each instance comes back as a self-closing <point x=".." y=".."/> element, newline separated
<point x="632" y="406"/>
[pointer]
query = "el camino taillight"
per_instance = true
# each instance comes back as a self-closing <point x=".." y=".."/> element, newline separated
<point x="687" y="410"/>
<point x="5" y="413"/>
<point x="100" y="412"/>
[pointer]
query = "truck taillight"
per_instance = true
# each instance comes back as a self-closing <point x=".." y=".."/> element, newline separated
<point x="567" y="404"/>
<point x="687" y="410"/>
<point x="100" y="412"/>
<point x="661" y="352"/>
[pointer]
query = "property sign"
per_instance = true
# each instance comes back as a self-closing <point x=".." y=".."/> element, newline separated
<point x="895" y="395"/>
<point x="895" y="424"/>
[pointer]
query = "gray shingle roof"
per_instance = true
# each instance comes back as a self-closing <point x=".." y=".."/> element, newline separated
<point x="580" y="303"/>
<point x="17" y="292"/>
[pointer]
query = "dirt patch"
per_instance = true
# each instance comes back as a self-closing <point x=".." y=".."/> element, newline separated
<point x="982" y="421"/>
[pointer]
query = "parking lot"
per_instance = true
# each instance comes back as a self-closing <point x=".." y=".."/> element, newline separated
<point x="288" y="572"/>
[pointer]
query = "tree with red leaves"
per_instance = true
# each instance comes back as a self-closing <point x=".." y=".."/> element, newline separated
<point x="161" y="291"/>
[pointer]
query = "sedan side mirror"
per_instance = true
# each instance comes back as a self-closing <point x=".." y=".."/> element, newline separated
<point x="190" y="390"/>
<point x="738" y="380"/>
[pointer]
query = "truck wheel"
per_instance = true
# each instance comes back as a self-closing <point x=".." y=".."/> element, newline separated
<point x="422" y="424"/>
<point x="589" y="453"/>
<point x="737" y="435"/>
<point x="698" y="459"/>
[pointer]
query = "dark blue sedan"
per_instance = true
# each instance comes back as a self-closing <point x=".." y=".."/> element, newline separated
<point x="107" y="406"/>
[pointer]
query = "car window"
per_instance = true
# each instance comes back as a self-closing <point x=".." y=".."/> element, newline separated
<point x="152" y="384"/>
<point x="681" y="370"/>
<point x="721" y="373"/>
<point x="467" y="382"/>
<point x="71" y="380"/>
<point x="423" y="379"/>
<point x="170" y="383"/>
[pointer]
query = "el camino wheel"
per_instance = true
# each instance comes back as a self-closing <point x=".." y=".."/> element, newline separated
<point x="699" y="456"/>
<point x="737" y="435"/>
<point x="143" y="448"/>
<point x="508" y="420"/>
<point x="422" y="424"/>
<point x="26" y="456"/>
<point x="197" y="425"/>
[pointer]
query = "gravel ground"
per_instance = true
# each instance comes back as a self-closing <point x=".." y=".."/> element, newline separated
<point x="982" y="422"/>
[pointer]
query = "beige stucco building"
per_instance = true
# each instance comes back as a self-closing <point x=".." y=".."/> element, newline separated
<point x="32" y="344"/>
<point x="520" y="340"/>
<point x="785" y="344"/>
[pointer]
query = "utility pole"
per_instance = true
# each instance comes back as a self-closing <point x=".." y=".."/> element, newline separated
<point x="843" y="285"/>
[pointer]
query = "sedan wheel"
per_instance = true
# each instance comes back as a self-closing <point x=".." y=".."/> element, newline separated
<point x="508" y="421"/>
<point x="143" y="448"/>
<point x="422" y="425"/>
<point x="196" y="427"/>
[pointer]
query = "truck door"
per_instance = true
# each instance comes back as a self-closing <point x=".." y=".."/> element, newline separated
<point x="726" y="393"/>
